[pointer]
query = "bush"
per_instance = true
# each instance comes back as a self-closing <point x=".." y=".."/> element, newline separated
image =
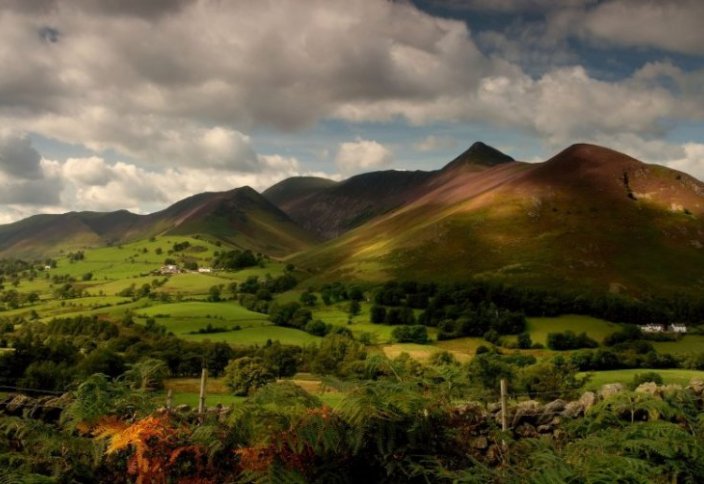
<point x="416" y="333"/>
<point x="649" y="376"/>
<point x="377" y="314"/>
<point x="570" y="341"/>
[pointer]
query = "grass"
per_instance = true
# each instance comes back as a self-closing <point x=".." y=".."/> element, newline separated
<point x="226" y="310"/>
<point x="257" y="336"/>
<point x="462" y="346"/>
<point x="187" y="390"/>
<point x="677" y="376"/>
<point x="416" y="351"/>
<point x="597" y="329"/>
<point x="690" y="343"/>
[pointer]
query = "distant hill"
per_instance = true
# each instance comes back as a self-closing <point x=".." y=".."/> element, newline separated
<point x="589" y="217"/>
<point x="330" y="209"/>
<point x="241" y="216"/>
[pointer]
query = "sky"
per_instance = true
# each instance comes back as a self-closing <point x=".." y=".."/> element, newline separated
<point x="132" y="104"/>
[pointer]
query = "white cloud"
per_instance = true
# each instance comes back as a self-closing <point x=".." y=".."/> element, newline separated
<point x="692" y="161"/>
<point x="362" y="155"/>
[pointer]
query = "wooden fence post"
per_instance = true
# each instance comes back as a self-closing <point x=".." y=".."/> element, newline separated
<point x="504" y="417"/>
<point x="201" y="399"/>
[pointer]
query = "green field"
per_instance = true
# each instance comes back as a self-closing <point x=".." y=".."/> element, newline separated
<point x="690" y="343"/>
<point x="597" y="329"/>
<point x="259" y="336"/>
<point x="680" y="377"/>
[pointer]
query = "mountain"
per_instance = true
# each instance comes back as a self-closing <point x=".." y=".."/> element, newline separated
<point x="589" y="217"/>
<point x="241" y="216"/>
<point x="330" y="209"/>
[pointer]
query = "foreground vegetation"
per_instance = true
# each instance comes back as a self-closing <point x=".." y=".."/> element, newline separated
<point x="332" y="382"/>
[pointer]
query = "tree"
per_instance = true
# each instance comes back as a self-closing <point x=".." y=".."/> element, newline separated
<point x="246" y="374"/>
<point x="524" y="341"/>
<point x="550" y="379"/>
<point x="308" y="298"/>
<point x="416" y="333"/>
<point x="214" y="293"/>
<point x="355" y="307"/>
<point x="377" y="314"/>
<point x="103" y="361"/>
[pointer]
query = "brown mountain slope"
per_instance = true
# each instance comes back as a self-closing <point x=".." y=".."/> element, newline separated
<point x="332" y="209"/>
<point x="589" y="217"/>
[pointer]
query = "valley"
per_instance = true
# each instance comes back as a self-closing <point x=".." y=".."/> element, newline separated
<point x="315" y="291"/>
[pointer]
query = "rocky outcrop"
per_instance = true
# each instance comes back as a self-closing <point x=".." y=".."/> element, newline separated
<point x="46" y="408"/>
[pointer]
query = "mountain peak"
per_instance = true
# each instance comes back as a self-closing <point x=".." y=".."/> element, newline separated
<point x="582" y="156"/>
<point x="479" y="154"/>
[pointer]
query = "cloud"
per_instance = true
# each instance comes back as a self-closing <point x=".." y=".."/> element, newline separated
<point x="18" y="158"/>
<point x="434" y="142"/>
<point x="673" y="26"/>
<point x="94" y="183"/>
<point x="511" y="6"/>
<point x="122" y="83"/>
<point x="362" y="155"/>
<point x="142" y="79"/>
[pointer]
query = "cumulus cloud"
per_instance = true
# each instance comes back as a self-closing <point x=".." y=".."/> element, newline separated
<point x="121" y="77"/>
<point x="144" y="81"/>
<point x="361" y="155"/>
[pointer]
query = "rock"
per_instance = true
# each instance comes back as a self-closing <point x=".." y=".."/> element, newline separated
<point x="611" y="389"/>
<point x="696" y="385"/>
<point x="648" y="387"/>
<point x="526" y="411"/>
<point x="573" y="409"/>
<point x="670" y="389"/>
<point x="480" y="443"/>
<point x="587" y="400"/>
<point x="550" y="410"/>
<point x="17" y="404"/>
<point x="51" y="414"/>
<point x="61" y="402"/>
<point x="526" y="431"/>
<point x="493" y="407"/>
<point x="494" y="454"/>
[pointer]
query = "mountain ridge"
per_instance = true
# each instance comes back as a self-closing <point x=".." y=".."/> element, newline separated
<point x="589" y="217"/>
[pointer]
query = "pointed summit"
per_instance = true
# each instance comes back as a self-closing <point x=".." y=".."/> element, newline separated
<point x="479" y="154"/>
